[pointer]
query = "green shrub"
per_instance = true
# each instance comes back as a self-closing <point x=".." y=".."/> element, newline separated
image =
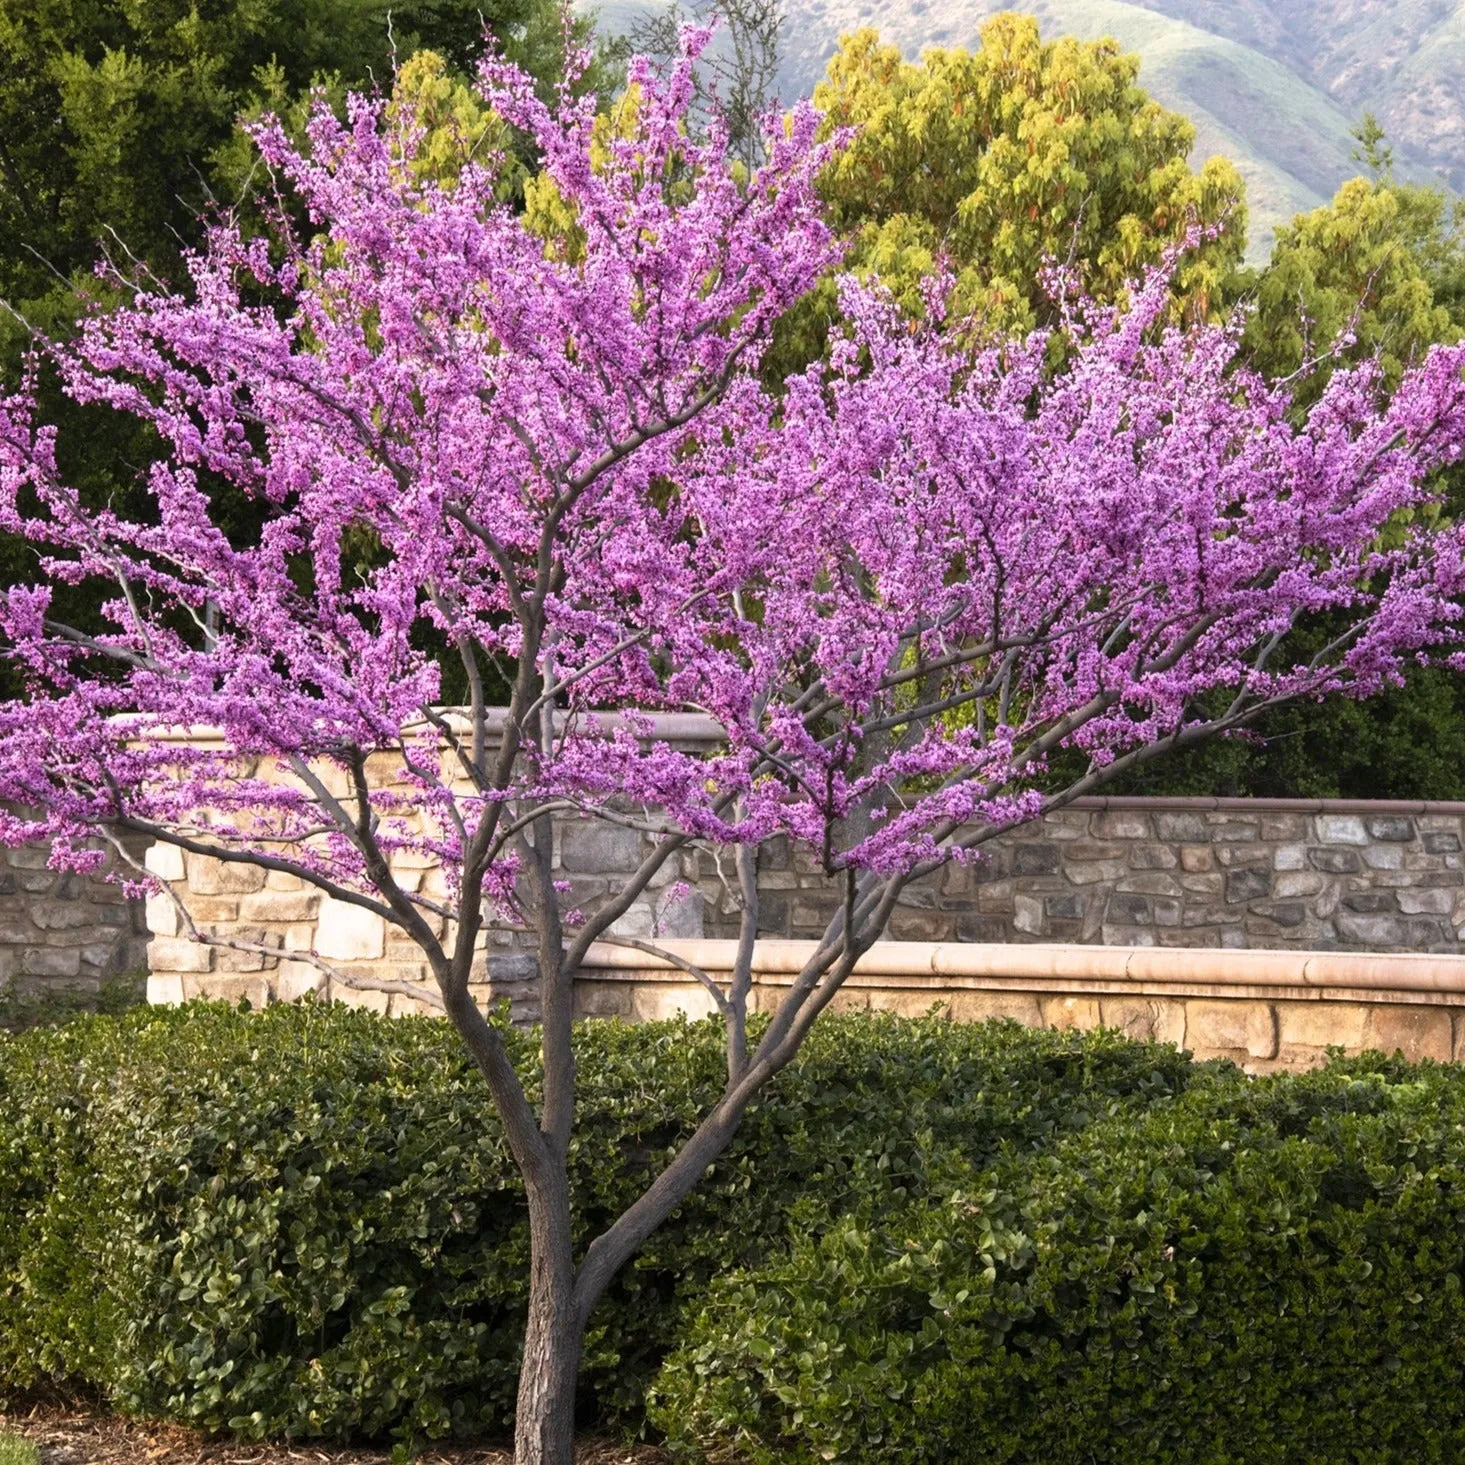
<point x="304" y="1221"/>
<point x="16" y="1451"/>
<point x="1255" y="1274"/>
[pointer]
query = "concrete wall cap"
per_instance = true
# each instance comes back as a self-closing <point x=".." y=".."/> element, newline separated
<point x="1405" y="971"/>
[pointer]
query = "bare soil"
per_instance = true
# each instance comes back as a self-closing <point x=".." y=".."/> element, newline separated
<point x="76" y="1437"/>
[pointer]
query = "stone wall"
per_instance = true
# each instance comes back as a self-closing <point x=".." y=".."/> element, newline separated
<point x="1277" y="874"/>
<point x="279" y="917"/>
<point x="63" y="932"/>
<point x="1118" y="872"/>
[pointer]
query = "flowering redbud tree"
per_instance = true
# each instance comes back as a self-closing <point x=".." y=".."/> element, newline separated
<point x="898" y="585"/>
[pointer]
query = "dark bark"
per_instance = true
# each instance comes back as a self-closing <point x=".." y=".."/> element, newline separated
<point x="544" y="1417"/>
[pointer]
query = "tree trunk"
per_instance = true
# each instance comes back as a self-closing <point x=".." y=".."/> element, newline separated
<point x="544" y="1418"/>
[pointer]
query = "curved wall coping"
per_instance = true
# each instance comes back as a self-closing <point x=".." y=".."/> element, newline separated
<point x="1296" y="974"/>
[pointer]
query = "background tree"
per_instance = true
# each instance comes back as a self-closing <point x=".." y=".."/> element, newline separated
<point x="112" y="113"/>
<point x="1381" y="264"/>
<point x="899" y="585"/>
<point x="1001" y="159"/>
<point x="738" y="72"/>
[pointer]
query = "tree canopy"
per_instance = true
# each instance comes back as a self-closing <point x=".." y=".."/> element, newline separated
<point x="1381" y="264"/>
<point x="119" y="137"/>
<point x="1376" y="275"/>
<point x="113" y="113"/>
<point x="1019" y="152"/>
<point x="898" y="585"/>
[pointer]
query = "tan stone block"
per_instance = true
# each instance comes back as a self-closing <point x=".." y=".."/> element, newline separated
<point x="299" y="938"/>
<point x="1121" y="824"/>
<point x="1141" y="1018"/>
<point x="162" y="915"/>
<point x="254" y="990"/>
<point x="226" y="959"/>
<point x="987" y="1006"/>
<point x="1276" y="827"/>
<point x="212" y="909"/>
<point x="906" y="1003"/>
<point x="354" y="997"/>
<point x="1294" y="1059"/>
<point x="295" y="978"/>
<point x="165" y="989"/>
<point x="165" y="861"/>
<point x="400" y="1006"/>
<point x="1235" y="1027"/>
<point x="1321" y="1024"/>
<point x="1196" y="859"/>
<point x="346" y="932"/>
<point x="1071" y="1012"/>
<point x="282" y="880"/>
<point x="279" y="906"/>
<point x="179" y="954"/>
<point x="208" y="876"/>
<point x="383" y="769"/>
<point x="395" y="971"/>
<point x="1416" y="1031"/>
<point x="661" y="1000"/>
<point x="602" y="999"/>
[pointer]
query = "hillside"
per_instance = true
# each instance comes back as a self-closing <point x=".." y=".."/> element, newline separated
<point x="1275" y="85"/>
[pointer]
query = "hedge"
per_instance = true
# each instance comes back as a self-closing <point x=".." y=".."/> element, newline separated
<point x="1253" y="1274"/>
<point x="303" y="1222"/>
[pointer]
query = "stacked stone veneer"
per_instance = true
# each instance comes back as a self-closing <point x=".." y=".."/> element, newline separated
<point x="1128" y="872"/>
<point x="64" y="932"/>
<point x="281" y="913"/>
<point x="1279" y="874"/>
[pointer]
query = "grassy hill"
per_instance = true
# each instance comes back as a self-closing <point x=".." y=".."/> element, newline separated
<point x="1276" y="85"/>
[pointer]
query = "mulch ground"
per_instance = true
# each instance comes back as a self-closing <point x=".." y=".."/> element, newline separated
<point x="68" y="1437"/>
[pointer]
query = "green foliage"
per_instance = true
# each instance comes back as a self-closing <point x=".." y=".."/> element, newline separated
<point x="931" y="1242"/>
<point x="1003" y="158"/>
<point x="1386" y="262"/>
<point x="1248" y="1274"/>
<point x="1404" y="743"/>
<point x="305" y="1221"/>
<point x="16" y="1451"/>
<point x="113" y="110"/>
<point x="1368" y="264"/>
